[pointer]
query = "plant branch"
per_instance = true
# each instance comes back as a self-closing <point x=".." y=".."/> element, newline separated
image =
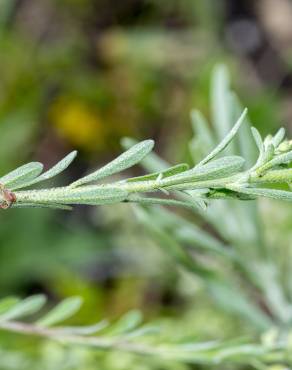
<point x="199" y="353"/>
<point x="223" y="178"/>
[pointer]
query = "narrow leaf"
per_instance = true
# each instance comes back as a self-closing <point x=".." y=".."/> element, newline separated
<point x="230" y="299"/>
<point x="203" y="139"/>
<point x="246" y="147"/>
<point x="218" y="168"/>
<point x="55" y="170"/>
<point x="257" y="138"/>
<point x="192" y="204"/>
<point x="152" y="162"/>
<point x="279" y="137"/>
<point x="261" y="192"/>
<point x="64" y="310"/>
<point x="171" y="171"/>
<point x="227" y="139"/>
<point x="220" y="100"/>
<point x="42" y="205"/>
<point x="128" y="159"/>
<point x="7" y="303"/>
<point x="126" y="323"/>
<point x="85" y="330"/>
<point x="26" y="307"/>
<point x="172" y="247"/>
<point x="146" y="330"/>
<point x="278" y="160"/>
<point x="268" y="153"/>
<point x="91" y="195"/>
<point x="23" y="174"/>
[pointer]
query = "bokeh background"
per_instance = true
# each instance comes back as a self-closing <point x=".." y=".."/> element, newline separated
<point x="82" y="74"/>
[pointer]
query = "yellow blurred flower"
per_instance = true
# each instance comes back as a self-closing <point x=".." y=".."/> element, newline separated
<point x="78" y="123"/>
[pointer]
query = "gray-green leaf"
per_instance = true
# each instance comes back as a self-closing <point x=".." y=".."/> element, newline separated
<point x="64" y="310"/>
<point x="227" y="139"/>
<point x="55" y="170"/>
<point x="7" y="303"/>
<point x="91" y="195"/>
<point x="278" y="160"/>
<point x="126" y="323"/>
<point x="22" y="175"/>
<point x="85" y="330"/>
<point x="261" y="192"/>
<point x="218" y="168"/>
<point x="171" y="171"/>
<point x="192" y="204"/>
<point x="26" y="307"/>
<point x="128" y="159"/>
<point x="42" y="205"/>
<point x="279" y="137"/>
<point x="257" y="138"/>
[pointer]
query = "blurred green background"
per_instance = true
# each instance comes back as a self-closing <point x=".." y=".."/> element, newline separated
<point x="81" y="74"/>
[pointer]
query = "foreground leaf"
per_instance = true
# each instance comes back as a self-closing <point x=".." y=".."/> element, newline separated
<point x="22" y="175"/>
<point x="23" y="308"/>
<point x="126" y="160"/>
<point x="64" y="310"/>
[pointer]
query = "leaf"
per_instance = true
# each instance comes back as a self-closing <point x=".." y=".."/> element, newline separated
<point x="192" y="204"/>
<point x="172" y="247"/>
<point x="198" y="239"/>
<point x="278" y="160"/>
<point x="146" y="330"/>
<point x="231" y="300"/>
<point x="246" y="145"/>
<point x="268" y="153"/>
<point x="55" y="170"/>
<point x="23" y="174"/>
<point x="7" y="303"/>
<point x="248" y="350"/>
<point x="64" y="310"/>
<point x="261" y="192"/>
<point x="42" y="205"/>
<point x="171" y="171"/>
<point x="201" y="129"/>
<point x="152" y="162"/>
<point x="25" y="307"/>
<point x="279" y="137"/>
<point x="91" y="195"/>
<point x="203" y="140"/>
<point x="220" y="100"/>
<point x="85" y="330"/>
<point x="227" y="139"/>
<point x="128" y="159"/>
<point x="229" y="194"/>
<point x="218" y="168"/>
<point x="126" y="323"/>
<point x="257" y="138"/>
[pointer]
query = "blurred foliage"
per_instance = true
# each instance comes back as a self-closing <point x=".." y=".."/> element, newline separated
<point x="84" y="73"/>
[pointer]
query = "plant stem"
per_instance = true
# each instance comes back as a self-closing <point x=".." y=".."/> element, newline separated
<point x="171" y="352"/>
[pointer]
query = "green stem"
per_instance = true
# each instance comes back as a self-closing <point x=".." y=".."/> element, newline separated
<point x="69" y="195"/>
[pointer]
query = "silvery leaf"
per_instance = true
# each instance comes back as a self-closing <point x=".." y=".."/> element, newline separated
<point x="22" y="175"/>
<point x="279" y="137"/>
<point x="257" y="138"/>
<point x="128" y="159"/>
<point x="25" y="307"/>
<point x="64" y="310"/>
<point x="192" y="204"/>
<point x="171" y="171"/>
<point x="55" y="170"/>
<point x="227" y="139"/>
<point x="90" y="195"/>
<point x="218" y="168"/>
